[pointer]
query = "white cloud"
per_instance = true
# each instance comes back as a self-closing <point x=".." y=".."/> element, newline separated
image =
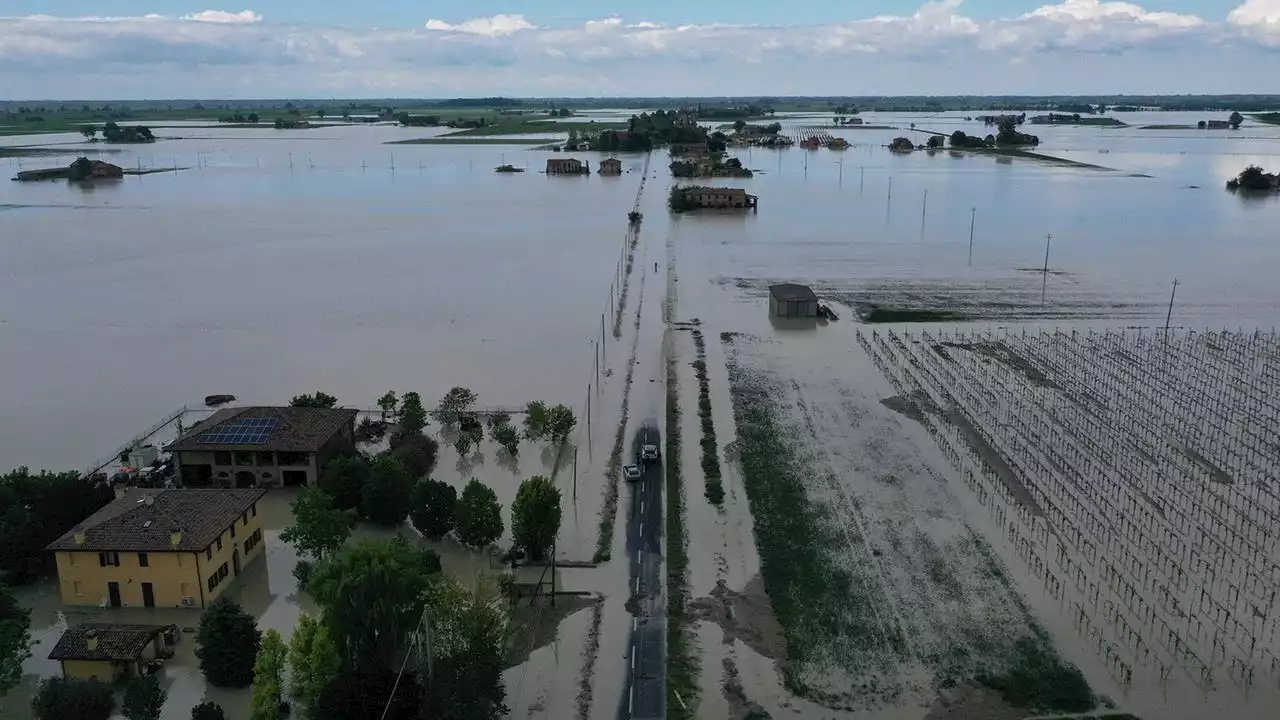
<point x="223" y="16"/>
<point x="1070" y="46"/>
<point x="496" y="26"/>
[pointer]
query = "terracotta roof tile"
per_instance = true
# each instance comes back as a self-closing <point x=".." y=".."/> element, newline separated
<point x="130" y="524"/>
<point x="115" y="642"/>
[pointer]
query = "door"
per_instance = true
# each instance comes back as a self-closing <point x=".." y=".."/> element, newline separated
<point x="235" y="560"/>
<point x="148" y="595"/>
<point x="113" y="592"/>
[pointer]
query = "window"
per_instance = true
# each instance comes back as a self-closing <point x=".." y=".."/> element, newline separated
<point x="143" y="560"/>
<point x="266" y="458"/>
<point x="76" y="588"/>
<point x="109" y="559"/>
<point x="208" y="553"/>
<point x="222" y="457"/>
<point x="219" y="543"/>
<point x="223" y="571"/>
<point x="254" y="540"/>
<point x="244" y="458"/>
<point x="253" y="510"/>
<point x="213" y="581"/>
<point x="233" y="530"/>
<point x="244" y="518"/>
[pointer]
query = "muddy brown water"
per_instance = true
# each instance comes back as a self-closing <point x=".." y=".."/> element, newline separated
<point x="288" y="262"/>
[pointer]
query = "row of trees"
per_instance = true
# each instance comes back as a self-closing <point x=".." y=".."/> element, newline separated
<point x="113" y="133"/>
<point x="242" y="118"/>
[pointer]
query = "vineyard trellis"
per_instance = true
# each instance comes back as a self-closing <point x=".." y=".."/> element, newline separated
<point x="1133" y="472"/>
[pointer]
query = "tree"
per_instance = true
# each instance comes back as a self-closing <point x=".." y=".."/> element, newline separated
<point x="344" y="478"/>
<point x="560" y="423"/>
<point x="506" y="436"/>
<point x="535" y="420"/>
<point x="89" y="132"/>
<point x="935" y="141"/>
<point x="432" y="507"/>
<point x="385" y="498"/>
<point x="416" y="452"/>
<point x="313" y="660"/>
<point x="362" y="692"/>
<point x="319" y="527"/>
<point x="535" y="516"/>
<point x="319" y="400"/>
<point x="739" y="125"/>
<point x="388" y="404"/>
<point x="1202" y="125"/>
<point x="143" y="698"/>
<point x="267" y="677"/>
<point x="320" y="113"/>
<point x="478" y="515"/>
<point x="454" y="405"/>
<point x="253" y="118"/>
<point x="470" y="434"/>
<point x="413" y="417"/>
<point x="15" y="638"/>
<point x="227" y="642"/>
<point x="469" y="635"/>
<point x="73" y="699"/>
<point x="207" y="710"/>
<point x="1235" y="119"/>
<point x="372" y="595"/>
<point x="35" y="510"/>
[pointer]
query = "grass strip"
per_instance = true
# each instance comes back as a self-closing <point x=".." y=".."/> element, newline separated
<point x="682" y="665"/>
<point x="517" y="126"/>
<point x="589" y="654"/>
<point x="713" y="486"/>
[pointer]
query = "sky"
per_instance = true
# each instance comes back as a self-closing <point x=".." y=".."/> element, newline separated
<point x="117" y="49"/>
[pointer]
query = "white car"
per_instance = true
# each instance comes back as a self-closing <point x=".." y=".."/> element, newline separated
<point x="631" y="472"/>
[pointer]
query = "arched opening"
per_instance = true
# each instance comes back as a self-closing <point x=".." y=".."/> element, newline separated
<point x="246" y="479"/>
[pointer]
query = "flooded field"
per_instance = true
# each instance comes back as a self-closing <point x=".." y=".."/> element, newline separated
<point x="282" y="262"/>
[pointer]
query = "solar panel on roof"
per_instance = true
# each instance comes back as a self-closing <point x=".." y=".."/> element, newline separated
<point x="250" y="431"/>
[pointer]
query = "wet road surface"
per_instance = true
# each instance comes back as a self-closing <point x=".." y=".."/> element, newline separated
<point x="646" y="678"/>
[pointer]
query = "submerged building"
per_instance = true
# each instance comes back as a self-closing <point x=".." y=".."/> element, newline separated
<point x="792" y="301"/>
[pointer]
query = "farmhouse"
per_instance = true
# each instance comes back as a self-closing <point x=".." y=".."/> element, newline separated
<point x="263" y="446"/>
<point x="566" y="166"/>
<point x="720" y="197"/>
<point x="160" y="548"/>
<point x="610" y="166"/>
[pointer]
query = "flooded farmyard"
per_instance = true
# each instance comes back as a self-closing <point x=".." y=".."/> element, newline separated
<point x="852" y="562"/>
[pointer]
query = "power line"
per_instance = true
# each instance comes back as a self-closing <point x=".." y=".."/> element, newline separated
<point x="414" y="644"/>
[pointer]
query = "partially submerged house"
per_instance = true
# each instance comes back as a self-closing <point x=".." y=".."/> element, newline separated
<point x="792" y="301"/>
<point x="159" y="548"/>
<point x="720" y="197"/>
<point x="108" y="652"/>
<point x="567" y="166"/>
<point x="263" y="446"/>
<point x="610" y="166"/>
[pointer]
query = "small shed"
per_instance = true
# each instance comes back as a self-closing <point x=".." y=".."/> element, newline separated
<point x="791" y="300"/>
<point x="108" y="651"/>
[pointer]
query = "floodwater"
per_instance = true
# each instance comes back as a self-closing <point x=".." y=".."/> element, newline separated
<point x="282" y="262"/>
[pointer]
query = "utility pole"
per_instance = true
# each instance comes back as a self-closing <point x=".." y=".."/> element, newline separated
<point x="924" y="206"/>
<point x="1168" y="317"/>
<point x="575" y="453"/>
<point x="1044" y="277"/>
<point x="973" y="215"/>
<point x="862" y="176"/>
<point x="575" y="459"/>
<point x="889" y="201"/>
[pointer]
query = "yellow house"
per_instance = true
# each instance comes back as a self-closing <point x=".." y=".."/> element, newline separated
<point x="160" y="548"/>
<point x="107" y="652"/>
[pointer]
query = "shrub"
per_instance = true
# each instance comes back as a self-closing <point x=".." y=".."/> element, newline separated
<point x="478" y="515"/>
<point x="207" y="710"/>
<point x="432" y="506"/>
<point x="227" y="642"/>
<point x="71" y="698"/>
<point x="143" y="698"/>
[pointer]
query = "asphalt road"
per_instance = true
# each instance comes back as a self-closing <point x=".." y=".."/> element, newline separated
<point x="646" y="678"/>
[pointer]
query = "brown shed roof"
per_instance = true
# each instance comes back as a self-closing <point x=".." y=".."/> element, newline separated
<point x="132" y="524"/>
<point x="115" y="642"/>
<point x="295" y="429"/>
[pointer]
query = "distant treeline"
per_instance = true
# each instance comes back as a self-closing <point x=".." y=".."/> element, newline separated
<point x="733" y="105"/>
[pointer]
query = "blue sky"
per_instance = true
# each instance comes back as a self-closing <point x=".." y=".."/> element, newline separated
<point x="88" y="49"/>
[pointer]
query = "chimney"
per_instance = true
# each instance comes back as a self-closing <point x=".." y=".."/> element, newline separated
<point x="91" y="640"/>
<point x="79" y="536"/>
<point x="175" y="537"/>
